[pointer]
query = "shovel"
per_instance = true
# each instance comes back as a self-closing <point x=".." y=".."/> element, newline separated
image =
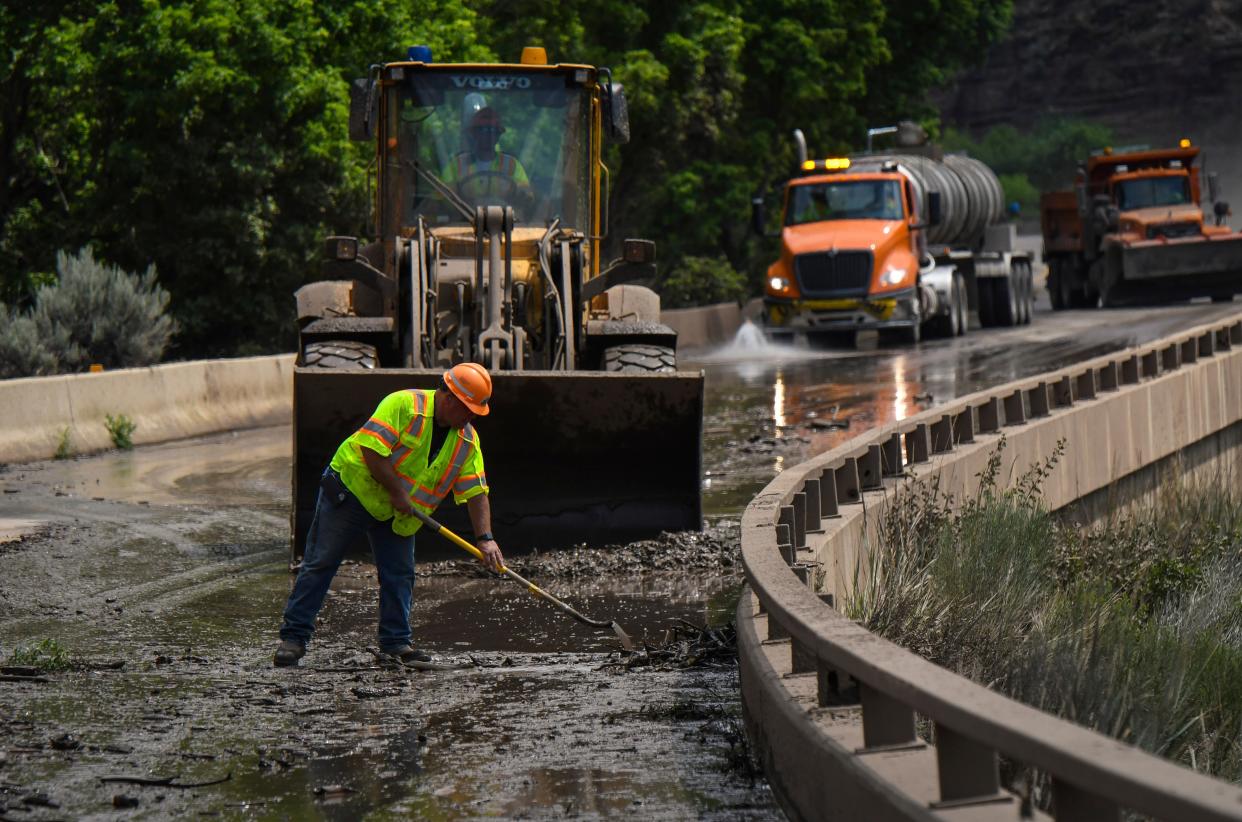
<point x="626" y="642"/>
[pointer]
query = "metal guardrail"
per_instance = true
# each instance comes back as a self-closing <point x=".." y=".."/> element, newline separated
<point x="833" y="708"/>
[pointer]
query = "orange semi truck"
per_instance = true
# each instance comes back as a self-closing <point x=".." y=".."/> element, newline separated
<point x="1133" y="228"/>
<point x="901" y="243"/>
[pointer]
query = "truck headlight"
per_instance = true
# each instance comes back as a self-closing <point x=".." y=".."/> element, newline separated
<point x="894" y="276"/>
<point x="778" y="283"/>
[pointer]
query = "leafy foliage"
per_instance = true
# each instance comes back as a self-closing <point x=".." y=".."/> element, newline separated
<point x="1031" y="162"/>
<point x="93" y="313"/>
<point x="209" y="137"/>
<point x="46" y="655"/>
<point x="702" y="281"/>
<point x="121" y="428"/>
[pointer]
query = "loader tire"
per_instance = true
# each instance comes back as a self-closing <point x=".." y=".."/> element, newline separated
<point x="646" y="359"/>
<point x="340" y="354"/>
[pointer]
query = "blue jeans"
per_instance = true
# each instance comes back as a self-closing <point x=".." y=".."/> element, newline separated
<point x="332" y="530"/>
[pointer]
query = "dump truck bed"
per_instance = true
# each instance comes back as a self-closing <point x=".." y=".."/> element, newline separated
<point x="570" y="457"/>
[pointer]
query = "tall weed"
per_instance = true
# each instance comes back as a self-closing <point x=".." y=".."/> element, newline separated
<point x="1132" y="627"/>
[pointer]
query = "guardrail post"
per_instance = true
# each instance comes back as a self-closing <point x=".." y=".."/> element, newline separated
<point x="1108" y="377"/>
<point x="989" y="416"/>
<point x="814" y="523"/>
<point x="828" y="500"/>
<point x="1170" y="358"/>
<point x="784" y="535"/>
<point x="1073" y="804"/>
<point x="869" y="468"/>
<point x="799" y="520"/>
<point x="848" y="484"/>
<point x="1084" y="386"/>
<point x="1207" y="344"/>
<point x="1015" y="409"/>
<point x="891" y="463"/>
<point x="942" y="435"/>
<point x="964" y="426"/>
<point x="1037" y="398"/>
<point x="969" y="772"/>
<point x="918" y="444"/>
<point x="801" y="657"/>
<point x="1063" y="393"/>
<point x="1151" y="365"/>
<point x="1130" y="370"/>
<point x="887" y="724"/>
<point x="833" y="687"/>
<point x="1190" y="351"/>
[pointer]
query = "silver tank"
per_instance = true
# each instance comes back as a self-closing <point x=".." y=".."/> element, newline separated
<point x="971" y="198"/>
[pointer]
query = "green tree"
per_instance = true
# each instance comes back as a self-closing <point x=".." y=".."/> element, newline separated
<point x="207" y="137"/>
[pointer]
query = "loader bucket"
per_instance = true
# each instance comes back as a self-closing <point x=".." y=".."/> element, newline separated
<point x="579" y="457"/>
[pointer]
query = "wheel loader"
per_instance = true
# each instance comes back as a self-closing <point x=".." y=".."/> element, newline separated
<point x="488" y="245"/>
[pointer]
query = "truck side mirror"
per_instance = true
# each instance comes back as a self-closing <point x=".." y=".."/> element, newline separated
<point x="933" y="208"/>
<point x="618" y="115"/>
<point x="361" y="109"/>
<point x="758" y="219"/>
<point x="1213" y="186"/>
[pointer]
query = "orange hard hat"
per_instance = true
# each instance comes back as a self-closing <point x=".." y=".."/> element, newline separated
<point x="471" y="384"/>
<point x="486" y="117"/>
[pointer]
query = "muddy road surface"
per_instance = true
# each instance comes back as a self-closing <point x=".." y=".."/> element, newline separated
<point x="142" y="591"/>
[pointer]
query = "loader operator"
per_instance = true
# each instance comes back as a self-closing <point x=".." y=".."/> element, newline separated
<point x="415" y="448"/>
<point x="483" y="172"/>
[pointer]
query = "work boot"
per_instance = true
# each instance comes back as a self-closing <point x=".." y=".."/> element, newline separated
<point x="407" y="654"/>
<point x="288" y="652"/>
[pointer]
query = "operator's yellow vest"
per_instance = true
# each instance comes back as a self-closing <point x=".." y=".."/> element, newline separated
<point x="400" y="430"/>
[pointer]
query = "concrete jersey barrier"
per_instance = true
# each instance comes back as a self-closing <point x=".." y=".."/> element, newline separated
<point x="833" y="710"/>
<point x="167" y="402"/>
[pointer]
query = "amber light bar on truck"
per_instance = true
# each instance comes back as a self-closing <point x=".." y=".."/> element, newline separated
<point x="828" y="164"/>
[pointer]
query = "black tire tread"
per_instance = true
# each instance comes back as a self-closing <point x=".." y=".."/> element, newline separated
<point x="340" y="354"/>
<point x="645" y="359"/>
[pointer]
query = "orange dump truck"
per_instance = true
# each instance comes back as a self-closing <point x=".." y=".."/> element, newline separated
<point x="1133" y="228"/>
<point x="903" y="243"/>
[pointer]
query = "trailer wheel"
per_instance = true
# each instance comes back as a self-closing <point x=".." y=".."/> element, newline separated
<point x="341" y="354"/>
<point x="950" y="324"/>
<point x="640" y="358"/>
<point x="1005" y="301"/>
<point x="987" y="301"/>
<point x="1027" y="304"/>
<point x="963" y="305"/>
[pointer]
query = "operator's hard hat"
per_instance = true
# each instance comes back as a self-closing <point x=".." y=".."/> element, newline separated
<point x="471" y="384"/>
<point x="487" y="118"/>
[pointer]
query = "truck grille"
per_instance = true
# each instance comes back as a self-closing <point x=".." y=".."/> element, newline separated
<point x="834" y="274"/>
<point x="1184" y="229"/>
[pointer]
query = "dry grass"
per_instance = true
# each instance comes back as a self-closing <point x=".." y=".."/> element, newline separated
<point x="1132" y="627"/>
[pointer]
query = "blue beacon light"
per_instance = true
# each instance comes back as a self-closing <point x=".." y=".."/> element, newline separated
<point x="419" y="54"/>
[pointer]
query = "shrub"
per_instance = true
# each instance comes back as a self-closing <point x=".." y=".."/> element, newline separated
<point x="121" y="429"/>
<point x="64" y="448"/>
<point x="22" y="351"/>
<point x="47" y="655"/>
<point x="702" y="281"/>
<point x="93" y="313"/>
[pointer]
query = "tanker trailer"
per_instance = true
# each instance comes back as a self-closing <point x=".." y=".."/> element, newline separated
<point x="901" y="243"/>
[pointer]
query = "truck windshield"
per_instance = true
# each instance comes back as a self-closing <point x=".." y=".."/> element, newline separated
<point x="844" y="200"/>
<point x="1146" y="192"/>
<point x="495" y="138"/>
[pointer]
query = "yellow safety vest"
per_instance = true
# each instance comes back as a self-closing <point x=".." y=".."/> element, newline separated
<point x="400" y="429"/>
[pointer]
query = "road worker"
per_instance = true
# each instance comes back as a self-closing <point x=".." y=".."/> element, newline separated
<point x="483" y="172"/>
<point x="415" y="448"/>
